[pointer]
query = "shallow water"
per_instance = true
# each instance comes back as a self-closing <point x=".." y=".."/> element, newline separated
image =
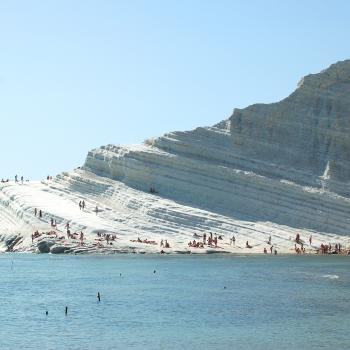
<point x="191" y="302"/>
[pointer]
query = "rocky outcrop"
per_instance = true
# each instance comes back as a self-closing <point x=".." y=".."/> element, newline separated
<point x="286" y="162"/>
<point x="44" y="246"/>
<point x="59" y="249"/>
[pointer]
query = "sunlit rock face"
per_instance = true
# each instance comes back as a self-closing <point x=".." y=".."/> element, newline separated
<point x="308" y="131"/>
<point x="286" y="162"/>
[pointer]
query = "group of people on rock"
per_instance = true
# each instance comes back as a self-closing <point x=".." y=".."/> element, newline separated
<point x="323" y="249"/>
<point x="147" y="241"/>
<point x="107" y="236"/>
<point x="195" y="244"/>
<point x="76" y="235"/>
<point x="327" y="249"/>
<point x="300" y="249"/>
<point x="209" y="240"/>
<point x="164" y="244"/>
<point x="16" y="179"/>
<point x="21" y="179"/>
<point x="53" y="223"/>
<point x="37" y="234"/>
<point x="38" y="212"/>
<point x="274" y="251"/>
<point x="299" y="244"/>
<point x="82" y="205"/>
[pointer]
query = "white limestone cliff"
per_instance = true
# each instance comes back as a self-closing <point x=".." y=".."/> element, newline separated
<point x="277" y="169"/>
<point x="286" y="162"/>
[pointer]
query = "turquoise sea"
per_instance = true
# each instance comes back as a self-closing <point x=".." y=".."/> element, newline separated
<point x="174" y="302"/>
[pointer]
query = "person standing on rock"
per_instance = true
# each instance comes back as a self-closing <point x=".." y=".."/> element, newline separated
<point x="16" y="178"/>
<point x="310" y="239"/>
<point x="96" y="209"/>
<point x="35" y="211"/>
<point x="83" y="204"/>
<point x="40" y="214"/>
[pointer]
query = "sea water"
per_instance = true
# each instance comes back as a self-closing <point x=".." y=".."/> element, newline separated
<point x="174" y="302"/>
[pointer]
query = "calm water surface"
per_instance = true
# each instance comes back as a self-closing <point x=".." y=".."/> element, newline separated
<point x="191" y="302"/>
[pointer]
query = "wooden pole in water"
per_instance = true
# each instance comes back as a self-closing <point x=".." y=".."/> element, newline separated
<point x="66" y="312"/>
<point x="98" y="296"/>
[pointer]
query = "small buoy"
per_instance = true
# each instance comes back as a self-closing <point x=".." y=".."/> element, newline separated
<point x="154" y="271"/>
<point x="46" y="312"/>
<point x="66" y="312"/>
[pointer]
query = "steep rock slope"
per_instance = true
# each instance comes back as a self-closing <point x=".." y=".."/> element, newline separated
<point x="286" y="162"/>
<point x="269" y="170"/>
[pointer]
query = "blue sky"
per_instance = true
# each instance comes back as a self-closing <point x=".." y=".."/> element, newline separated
<point x="75" y="75"/>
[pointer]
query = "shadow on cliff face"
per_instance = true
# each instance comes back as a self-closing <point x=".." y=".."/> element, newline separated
<point x="315" y="214"/>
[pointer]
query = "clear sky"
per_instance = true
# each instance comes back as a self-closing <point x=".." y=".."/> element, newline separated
<point x="75" y="75"/>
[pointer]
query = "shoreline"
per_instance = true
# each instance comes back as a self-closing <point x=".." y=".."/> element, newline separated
<point x="49" y="245"/>
<point x="170" y="254"/>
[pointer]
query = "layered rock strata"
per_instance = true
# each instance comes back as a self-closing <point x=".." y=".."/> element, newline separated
<point x="285" y="162"/>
